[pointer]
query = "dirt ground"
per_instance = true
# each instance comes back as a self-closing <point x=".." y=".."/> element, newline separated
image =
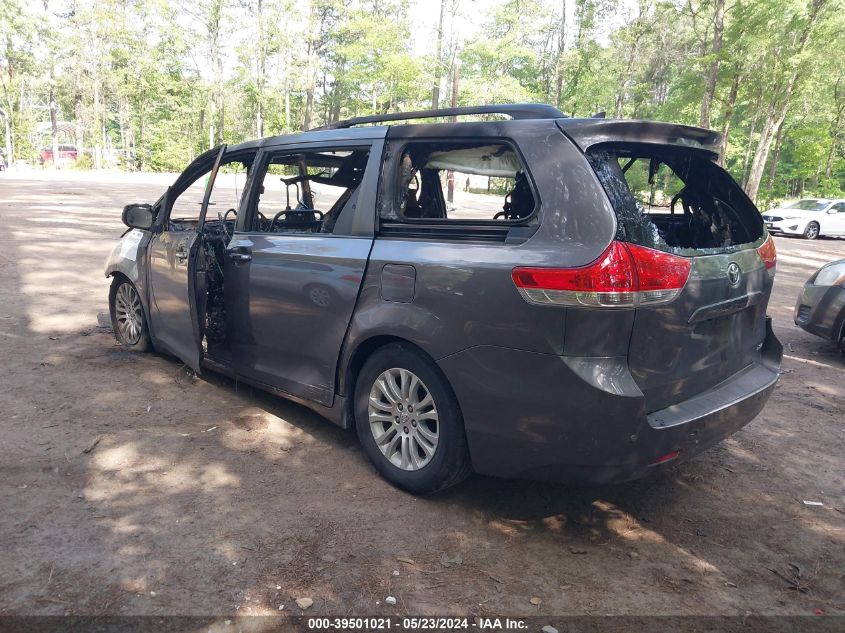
<point x="205" y="497"/>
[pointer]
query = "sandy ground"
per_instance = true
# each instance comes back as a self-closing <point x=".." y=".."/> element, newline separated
<point x="204" y="497"/>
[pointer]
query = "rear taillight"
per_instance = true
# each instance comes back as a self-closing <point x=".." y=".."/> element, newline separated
<point x="768" y="254"/>
<point x="623" y="276"/>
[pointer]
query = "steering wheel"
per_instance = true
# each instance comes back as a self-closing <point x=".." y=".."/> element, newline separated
<point x="223" y="223"/>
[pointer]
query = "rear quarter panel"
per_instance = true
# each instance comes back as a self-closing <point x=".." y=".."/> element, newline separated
<point x="463" y="292"/>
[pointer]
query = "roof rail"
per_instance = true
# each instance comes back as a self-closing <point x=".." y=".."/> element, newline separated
<point x="514" y="110"/>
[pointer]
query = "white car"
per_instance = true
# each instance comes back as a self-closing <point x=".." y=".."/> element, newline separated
<point x="809" y="217"/>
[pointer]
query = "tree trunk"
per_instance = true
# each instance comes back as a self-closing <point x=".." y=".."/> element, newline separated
<point x="561" y="48"/>
<point x="287" y="107"/>
<point x="97" y="149"/>
<point x="309" y="104"/>
<point x="729" y="111"/>
<point x="260" y="70"/>
<point x="311" y="81"/>
<point x="456" y="86"/>
<point x="750" y="144"/>
<point x="835" y="127"/>
<point x="54" y="124"/>
<point x="10" y="146"/>
<point x="633" y="51"/>
<point x="771" y="128"/>
<point x="435" y="88"/>
<point x="773" y="165"/>
<point x="713" y="72"/>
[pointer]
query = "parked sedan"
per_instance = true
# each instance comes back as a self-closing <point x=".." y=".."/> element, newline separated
<point x="810" y="217"/>
<point x="821" y="305"/>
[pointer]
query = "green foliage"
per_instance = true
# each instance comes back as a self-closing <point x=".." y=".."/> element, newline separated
<point x="84" y="162"/>
<point x="152" y="83"/>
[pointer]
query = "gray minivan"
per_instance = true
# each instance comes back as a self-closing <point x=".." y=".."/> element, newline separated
<point x="540" y="296"/>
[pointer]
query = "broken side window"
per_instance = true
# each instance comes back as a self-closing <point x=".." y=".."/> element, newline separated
<point x="310" y="192"/>
<point x="475" y="181"/>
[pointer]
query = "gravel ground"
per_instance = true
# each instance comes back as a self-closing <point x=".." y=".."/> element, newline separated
<point x="204" y="497"/>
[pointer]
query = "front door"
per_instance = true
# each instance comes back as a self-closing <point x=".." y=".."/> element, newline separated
<point x="293" y="272"/>
<point x="836" y="219"/>
<point x="174" y="281"/>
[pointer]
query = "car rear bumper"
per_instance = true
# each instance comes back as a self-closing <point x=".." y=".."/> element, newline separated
<point x="555" y="418"/>
<point x="820" y="310"/>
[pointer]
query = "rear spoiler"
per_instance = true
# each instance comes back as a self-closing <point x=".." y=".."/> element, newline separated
<point x="589" y="132"/>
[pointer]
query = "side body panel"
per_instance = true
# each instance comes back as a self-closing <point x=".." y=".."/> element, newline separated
<point x="290" y="296"/>
<point x="463" y="295"/>
<point x="288" y="308"/>
<point x="834" y="223"/>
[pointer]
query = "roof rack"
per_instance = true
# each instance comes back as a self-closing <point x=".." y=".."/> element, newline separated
<point x="513" y="110"/>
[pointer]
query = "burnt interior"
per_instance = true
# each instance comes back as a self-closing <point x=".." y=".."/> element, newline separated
<point x="419" y="184"/>
<point x="675" y="199"/>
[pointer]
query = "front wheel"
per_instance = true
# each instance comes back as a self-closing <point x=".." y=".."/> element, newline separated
<point x="812" y="231"/>
<point x="409" y="422"/>
<point x="127" y="316"/>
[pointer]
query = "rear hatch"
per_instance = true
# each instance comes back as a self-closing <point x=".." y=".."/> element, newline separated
<point x="669" y="195"/>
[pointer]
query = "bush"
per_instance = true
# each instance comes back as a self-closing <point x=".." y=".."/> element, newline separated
<point x="83" y="162"/>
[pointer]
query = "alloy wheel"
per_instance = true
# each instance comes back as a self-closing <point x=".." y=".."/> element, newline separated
<point x="128" y="314"/>
<point x="403" y="419"/>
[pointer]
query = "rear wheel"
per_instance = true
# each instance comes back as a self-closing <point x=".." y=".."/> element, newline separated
<point x="127" y="316"/>
<point x="409" y="422"/>
<point x="812" y="231"/>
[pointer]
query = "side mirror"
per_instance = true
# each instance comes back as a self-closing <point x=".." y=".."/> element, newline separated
<point x="832" y="211"/>
<point x="138" y="216"/>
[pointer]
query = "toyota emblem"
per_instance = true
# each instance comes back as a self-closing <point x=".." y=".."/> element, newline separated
<point x="734" y="274"/>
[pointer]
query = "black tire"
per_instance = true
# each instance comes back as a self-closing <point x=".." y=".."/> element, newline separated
<point x="812" y="231"/>
<point x="450" y="462"/>
<point x="141" y="342"/>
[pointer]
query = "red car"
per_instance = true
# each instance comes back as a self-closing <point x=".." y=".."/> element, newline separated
<point x="66" y="153"/>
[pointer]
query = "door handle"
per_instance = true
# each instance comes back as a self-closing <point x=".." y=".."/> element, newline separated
<point x="235" y="256"/>
<point x="181" y="255"/>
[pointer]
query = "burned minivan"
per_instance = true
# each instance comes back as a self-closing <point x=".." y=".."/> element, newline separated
<point x="539" y="296"/>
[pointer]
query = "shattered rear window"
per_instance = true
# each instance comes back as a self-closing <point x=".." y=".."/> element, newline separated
<point x="675" y="200"/>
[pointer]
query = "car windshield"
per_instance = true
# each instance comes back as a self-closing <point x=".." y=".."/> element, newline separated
<point x="808" y="205"/>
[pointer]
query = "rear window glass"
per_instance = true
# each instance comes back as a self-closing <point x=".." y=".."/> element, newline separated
<point x="442" y="182"/>
<point x="675" y="200"/>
